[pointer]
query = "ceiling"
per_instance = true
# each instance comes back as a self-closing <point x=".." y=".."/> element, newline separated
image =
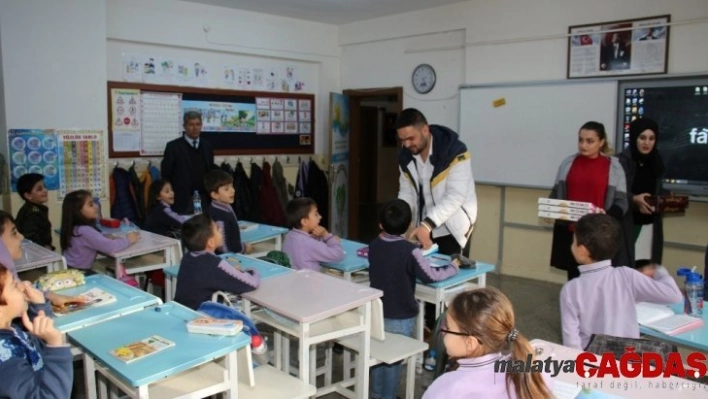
<point x="335" y="12"/>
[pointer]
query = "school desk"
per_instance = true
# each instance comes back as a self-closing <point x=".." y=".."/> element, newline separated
<point x="35" y="256"/>
<point x="696" y="339"/>
<point x="197" y="366"/>
<point x="150" y="252"/>
<point x="261" y="234"/>
<point x="128" y="300"/>
<point x="316" y="308"/>
<point x="265" y="269"/>
<point x="629" y="388"/>
<point x="351" y="263"/>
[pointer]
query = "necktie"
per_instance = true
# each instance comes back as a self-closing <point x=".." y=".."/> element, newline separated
<point x="195" y="142"/>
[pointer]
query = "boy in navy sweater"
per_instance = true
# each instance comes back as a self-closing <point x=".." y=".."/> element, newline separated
<point x="33" y="217"/>
<point x="220" y="186"/>
<point x="395" y="263"/>
<point x="201" y="272"/>
<point x="34" y="361"/>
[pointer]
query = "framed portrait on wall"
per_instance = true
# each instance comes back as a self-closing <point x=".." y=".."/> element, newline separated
<point x="619" y="48"/>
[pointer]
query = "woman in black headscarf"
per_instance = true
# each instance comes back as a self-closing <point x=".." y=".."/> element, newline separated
<point x="644" y="169"/>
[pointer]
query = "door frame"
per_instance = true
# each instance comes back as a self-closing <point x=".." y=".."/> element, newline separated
<point x="355" y="98"/>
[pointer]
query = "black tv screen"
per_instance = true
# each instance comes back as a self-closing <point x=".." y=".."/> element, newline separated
<point x="680" y="108"/>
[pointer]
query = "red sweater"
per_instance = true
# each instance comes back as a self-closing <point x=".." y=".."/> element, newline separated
<point x="587" y="180"/>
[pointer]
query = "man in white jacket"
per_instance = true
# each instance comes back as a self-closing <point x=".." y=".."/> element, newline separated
<point x="436" y="181"/>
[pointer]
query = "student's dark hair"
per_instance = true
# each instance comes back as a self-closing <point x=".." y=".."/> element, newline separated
<point x="154" y="192"/>
<point x="71" y="216"/>
<point x="598" y="128"/>
<point x="189" y="115"/>
<point x="197" y="231"/>
<point x="26" y="183"/>
<point x="600" y="234"/>
<point x="487" y="315"/>
<point x="639" y="263"/>
<point x="3" y="273"/>
<point x="4" y="218"/>
<point x="214" y="179"/>
<point x="298" y="209"/>
<point x="410" y="117"/>
<point x="395" y="217"/>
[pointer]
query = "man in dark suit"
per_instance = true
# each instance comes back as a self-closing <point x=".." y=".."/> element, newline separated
<point x="615" y="54"/>
<point x="186" y="160"/>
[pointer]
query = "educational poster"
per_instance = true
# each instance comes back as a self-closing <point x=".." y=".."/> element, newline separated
<point x="131" y="68"/>
<point x="81" y="161"/>
<point x="258" y="78"/>
<point x="271" y="79"/>
<point x="184" y="73"/>
<point x="339" y="150"/>
<point x="166" y="70"/>
<point x="201" y="74"/>
<point x="33" y="151"/>
<point x="162" y="121"/>
<point x="125" y="119"/>
<point x="288" y="115"/>
<point x="150" y="69"/>
<point x="222" y="116"/>
<point x="229" y="76"/>
<point x="630" y="47"/>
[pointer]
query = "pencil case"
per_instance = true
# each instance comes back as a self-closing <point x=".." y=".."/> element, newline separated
<point x="60" y="279"/>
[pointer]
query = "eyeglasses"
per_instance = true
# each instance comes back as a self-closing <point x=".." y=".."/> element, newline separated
<point x="446" y="331"/>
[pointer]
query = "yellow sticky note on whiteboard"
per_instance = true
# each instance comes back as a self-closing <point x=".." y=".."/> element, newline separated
<point x="499" y="102"/>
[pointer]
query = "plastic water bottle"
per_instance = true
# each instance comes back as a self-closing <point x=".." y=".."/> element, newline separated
<point x="259" y="349"/>
<point x="197" y="203"/>
<point x="430" y="361"/>
<point x="693" y="287"/>
<point x="97" y="201"/>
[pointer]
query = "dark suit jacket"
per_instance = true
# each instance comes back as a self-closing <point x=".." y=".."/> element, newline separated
<point x="177" y="168"/>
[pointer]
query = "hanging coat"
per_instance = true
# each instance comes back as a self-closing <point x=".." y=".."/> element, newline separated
<point x="139" y="195"/>
<point x="243" y="202"/>
<point x="123" y="203"/>
<point x="271" y="211"/>
<point x="318" y="189"/>
<point x="256" y="182"/>
<point x="280" y="184"/>
<point x="301" y="182"/>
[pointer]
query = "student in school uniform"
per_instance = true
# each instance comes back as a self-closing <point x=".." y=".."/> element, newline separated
<point x="479" y="330"/>
<point x="11" y="250"/>
<point x="34" y="360"/>
<point x="80" y="240"/>
<point x="395" y="264"/>
<point x="33" y="217"/>
<point x="590" y="175"/>
<point x="220" y="186"/>
<point x="602" y="300"/>
<point x="161" y="219"/>
<point x="308" y="244"/>
<point x="201" y="272"/>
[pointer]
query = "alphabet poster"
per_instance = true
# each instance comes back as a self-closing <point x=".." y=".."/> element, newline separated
<point x="81" y="162"/>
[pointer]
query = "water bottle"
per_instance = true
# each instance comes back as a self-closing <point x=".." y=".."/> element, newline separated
<point x="97" y="201"/>
<point x="430" y="361"/>
<point x="693" y="287"/>
<point x="197" y="203"/>
<point x="259" y="349"/>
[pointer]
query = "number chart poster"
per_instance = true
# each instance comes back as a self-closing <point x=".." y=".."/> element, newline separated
<point x="33" y="151"/>
<point x="81" y="161"/>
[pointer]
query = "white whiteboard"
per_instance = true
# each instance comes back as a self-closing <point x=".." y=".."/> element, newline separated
<point x="523" y="142"/>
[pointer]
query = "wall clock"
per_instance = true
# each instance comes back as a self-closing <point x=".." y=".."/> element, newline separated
<point x="423" y="78"/>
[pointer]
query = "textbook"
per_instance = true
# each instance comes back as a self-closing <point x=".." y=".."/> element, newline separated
<point x="568" y="204"/>
<point x="663" y="319"/>
<point x="212" y="326"/>
<point x="559" y="216"/>
<point x="92" y="298"/>
<point x="136" y="350"/>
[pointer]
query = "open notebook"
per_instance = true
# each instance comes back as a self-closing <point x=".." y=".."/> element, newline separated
<point x="663" y="319"/>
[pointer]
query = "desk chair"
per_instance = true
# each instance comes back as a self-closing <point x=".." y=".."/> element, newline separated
<point x="386" y="348"/>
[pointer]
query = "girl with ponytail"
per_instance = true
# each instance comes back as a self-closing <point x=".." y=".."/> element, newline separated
<point x="479" y="331"/>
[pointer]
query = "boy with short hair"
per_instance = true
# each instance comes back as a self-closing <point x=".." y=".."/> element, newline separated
<point x="34" y="361"/>
<point x="394" y="265"/>
<point x="33" y="217"/>
<point x="602" y="300"/>
<point x="201" y="272"/>
<point x="308" y="244"/>
<point x="220" y="186"/>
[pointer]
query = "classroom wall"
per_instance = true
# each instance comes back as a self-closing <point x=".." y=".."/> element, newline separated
<point x="54" y="70"/>
<point x="505" y="43"/>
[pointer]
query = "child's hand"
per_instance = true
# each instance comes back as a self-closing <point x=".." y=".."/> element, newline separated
<point x="648" y="270"/>
<point x="43" y="327"/>
<point x="247" y="248"/>
<point x="336" y="239"/>
<point x="32" y="294"/>
<point x="133" y="236"/>
<point x="320" y="231"/>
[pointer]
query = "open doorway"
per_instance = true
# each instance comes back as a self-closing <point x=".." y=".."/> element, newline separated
<point x="373" y="167"/>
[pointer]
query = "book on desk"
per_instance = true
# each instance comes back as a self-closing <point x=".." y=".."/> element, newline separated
<point x="137" y="350"/>
<point x="91" y="298"/>
<point x="663" y="319"/>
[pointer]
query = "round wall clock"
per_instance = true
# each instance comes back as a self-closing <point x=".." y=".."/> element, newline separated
<point x="423" y="78"/>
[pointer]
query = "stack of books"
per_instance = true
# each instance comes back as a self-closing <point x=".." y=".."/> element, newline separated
<point x="564" y="209"/>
